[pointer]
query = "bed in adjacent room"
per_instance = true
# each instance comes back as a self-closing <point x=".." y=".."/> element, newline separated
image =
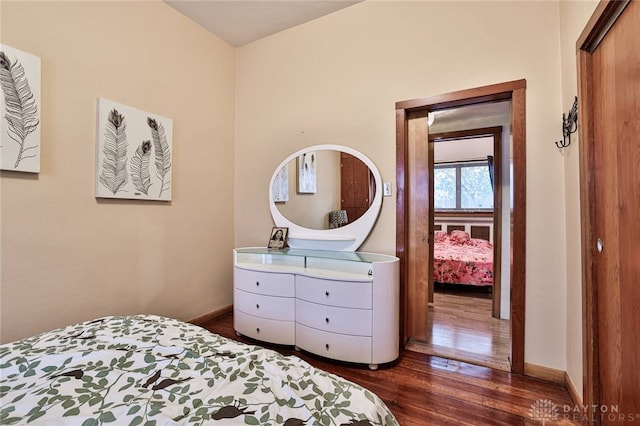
<point x="460" y="259"/>
<point x="155" y="370"/>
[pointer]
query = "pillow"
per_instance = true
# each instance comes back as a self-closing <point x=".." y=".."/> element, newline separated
<point x="440" y="236"/>
<point x="478" y="242"/>
<point x="459" y="237"/>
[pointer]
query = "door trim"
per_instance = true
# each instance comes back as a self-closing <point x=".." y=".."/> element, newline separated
<point x="596" y="29"/>
<point x="515" y="91"/>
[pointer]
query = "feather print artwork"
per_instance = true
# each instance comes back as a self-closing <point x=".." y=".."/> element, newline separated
<point x="114" y="163"/>
<point x="140" y="168"/>
<point x="162" y="153"/>
<point x="21" y="113"/>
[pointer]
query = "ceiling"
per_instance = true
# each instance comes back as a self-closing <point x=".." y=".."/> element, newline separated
<point x="240" y="22"/>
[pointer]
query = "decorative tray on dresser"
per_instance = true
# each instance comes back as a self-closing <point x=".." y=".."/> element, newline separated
<point x="337" y="304"/>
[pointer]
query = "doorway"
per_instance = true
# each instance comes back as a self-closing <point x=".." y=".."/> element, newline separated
<point x="414" y="240"/>
<point x="468" y="318"/>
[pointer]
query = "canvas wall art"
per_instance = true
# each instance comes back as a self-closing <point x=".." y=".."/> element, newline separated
<point x="307" y="173"/>
<point x="280" y="189"/>
<point x="133" y="153"/>
<point x="20" y="100"/>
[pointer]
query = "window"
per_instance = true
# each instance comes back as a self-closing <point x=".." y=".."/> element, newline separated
<point x="462" y="186"/>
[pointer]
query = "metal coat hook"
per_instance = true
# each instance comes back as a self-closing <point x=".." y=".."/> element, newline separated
<point x="569" y="125"/>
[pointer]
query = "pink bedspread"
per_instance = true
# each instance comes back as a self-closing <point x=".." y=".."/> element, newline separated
<point x="459" y="259"/>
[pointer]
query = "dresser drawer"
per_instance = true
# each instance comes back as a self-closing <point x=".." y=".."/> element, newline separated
<point x="270" y="307"/>
<point x="346" y="294"/>
<point x="336" y="346"/>
<point x="334" y="320"/>
<point x="268" y="283"/>
<point x="274" y="331"/>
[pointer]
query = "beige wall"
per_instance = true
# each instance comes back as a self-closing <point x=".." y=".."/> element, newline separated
<point x="68" y="257"/>
<point x="336" y="80"/>
<point x="574" y="15"/>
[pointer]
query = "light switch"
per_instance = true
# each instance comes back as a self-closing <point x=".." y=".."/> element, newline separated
<point x="386" y="189"/>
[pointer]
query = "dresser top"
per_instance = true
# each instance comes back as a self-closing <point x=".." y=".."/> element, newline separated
<point x="324" y="254"/>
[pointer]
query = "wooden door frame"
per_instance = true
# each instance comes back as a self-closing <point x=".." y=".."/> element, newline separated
<point x="515" y="91"/>
<point x="604" y="16"/>
<point x="496" y="133"/>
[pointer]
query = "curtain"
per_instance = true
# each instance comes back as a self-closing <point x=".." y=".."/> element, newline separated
<point x="490" y="164"/>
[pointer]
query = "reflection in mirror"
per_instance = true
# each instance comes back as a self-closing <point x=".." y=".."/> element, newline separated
<point x="344" y="187"/>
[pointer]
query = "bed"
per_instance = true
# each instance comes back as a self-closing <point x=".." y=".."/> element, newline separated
<point x="151" y="370"/>
<point x="460" y="259"/>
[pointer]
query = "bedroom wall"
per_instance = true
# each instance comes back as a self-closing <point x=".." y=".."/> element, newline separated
<point x="337" y="79"/>
<point x="574" y="15"/>
<point x="67" y="256"/>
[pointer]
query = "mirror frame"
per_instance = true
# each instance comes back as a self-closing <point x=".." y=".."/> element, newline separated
<point x="346" y="238"/>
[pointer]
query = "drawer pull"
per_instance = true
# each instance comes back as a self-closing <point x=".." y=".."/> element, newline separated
<point x="258" y="330"/>
<point x="258" y="283"/>
<point x="327" y="346"/>
<point x="327" y="320"/>
<point x="326" y="293"/>
<point x="257" y="306"/>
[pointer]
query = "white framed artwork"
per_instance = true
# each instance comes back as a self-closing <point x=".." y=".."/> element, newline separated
<point x="133" y="153"/>
<point x="20" y="99"/>
<point x="307" y="173"/>
<point x="280" y="188"/>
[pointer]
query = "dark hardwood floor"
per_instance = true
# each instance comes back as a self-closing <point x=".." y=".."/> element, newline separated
<point x="422" y="389"/>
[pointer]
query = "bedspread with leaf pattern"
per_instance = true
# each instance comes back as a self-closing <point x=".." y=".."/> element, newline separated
<point x="150" y="370"/>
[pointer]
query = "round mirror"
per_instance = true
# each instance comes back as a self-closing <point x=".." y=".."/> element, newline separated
<point x="323" y="189"/>
<point x="329" y="196"/>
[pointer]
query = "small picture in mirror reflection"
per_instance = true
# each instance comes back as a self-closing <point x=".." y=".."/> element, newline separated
<point x="278" y="239"/>
<point x="307" y="173"/>
<point x="280" y="188"/>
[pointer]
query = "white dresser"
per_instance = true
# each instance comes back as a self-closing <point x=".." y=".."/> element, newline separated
<point x="340" y="305"/>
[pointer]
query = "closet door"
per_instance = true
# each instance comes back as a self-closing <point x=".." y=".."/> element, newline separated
<point x="354" y="186"/>
<point x="611" y="86"/>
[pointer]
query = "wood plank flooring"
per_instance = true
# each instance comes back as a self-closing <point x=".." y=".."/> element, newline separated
<point x="421" y="389"/>
<point x="460" y="326"/>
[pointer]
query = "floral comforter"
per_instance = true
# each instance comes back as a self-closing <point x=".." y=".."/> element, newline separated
<point x="458" y="259"/>
<point x="150" y="370"/>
